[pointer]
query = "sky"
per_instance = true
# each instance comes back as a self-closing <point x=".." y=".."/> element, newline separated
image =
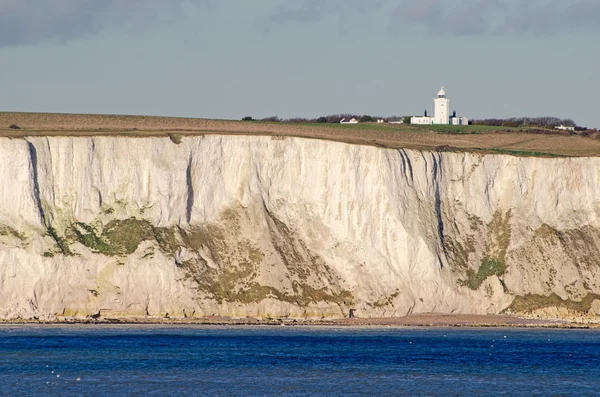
<point x="301" y="58"/>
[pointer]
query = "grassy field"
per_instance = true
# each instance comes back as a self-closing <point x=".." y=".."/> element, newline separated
<point x="480" y="139"/>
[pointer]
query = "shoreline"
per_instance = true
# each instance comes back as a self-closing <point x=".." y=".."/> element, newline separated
<point x="413" y="321"/>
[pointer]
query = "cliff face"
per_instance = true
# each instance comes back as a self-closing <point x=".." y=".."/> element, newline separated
<point x="265" y="226"/>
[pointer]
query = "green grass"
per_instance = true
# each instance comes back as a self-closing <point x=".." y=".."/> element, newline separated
<point x="440" y="129"/>
<point x="488" y="268"/>
<point x="239" y="261"/>
<point x="166" y="239"/>
<point x="359" y="126"/>
<point x="123" y="237"/>
<point x="494" y="258"/>
<point x="175" y="138"/>
<point x="60" y="241"/>
<point x="466" y="129"/>
<point x="126" y="235"/>
<point x="87" y="236"/>
<point x="532" y="302"/>
<point x="9" y="231"/>
<point x="522" y="153"/>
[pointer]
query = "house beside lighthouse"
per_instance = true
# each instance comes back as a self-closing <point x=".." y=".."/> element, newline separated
<point x="441" y="113"/>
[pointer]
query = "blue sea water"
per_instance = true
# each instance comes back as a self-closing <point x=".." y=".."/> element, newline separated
<point x="296" y="361"/>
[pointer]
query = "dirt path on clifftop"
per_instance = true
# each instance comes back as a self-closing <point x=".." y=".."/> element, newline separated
<point x="395" y="136"/>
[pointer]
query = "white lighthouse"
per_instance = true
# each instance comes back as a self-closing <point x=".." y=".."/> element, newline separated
<point x="441" y="112"/>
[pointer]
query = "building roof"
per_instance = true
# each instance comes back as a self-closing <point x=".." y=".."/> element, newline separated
<point x="442" y="93"/>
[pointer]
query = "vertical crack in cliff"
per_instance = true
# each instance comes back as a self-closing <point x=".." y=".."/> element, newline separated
<point x="44" y="219"/>
<point x="406" y="165"/>
<point x="36" y="185"/>
<point x="190" y="191"/>
<point x="91" y="166"/>
<point x="438" y="205"/>
<point x="99" y="197"/>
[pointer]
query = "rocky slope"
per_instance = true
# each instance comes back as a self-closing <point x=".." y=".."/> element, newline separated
<point x="270" y="227"/>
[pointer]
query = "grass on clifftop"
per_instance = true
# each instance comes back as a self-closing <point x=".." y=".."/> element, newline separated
<point x="474" y="138"/>
<point x="521" y="153"/>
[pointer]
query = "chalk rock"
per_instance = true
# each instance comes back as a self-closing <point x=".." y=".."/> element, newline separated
<point x="121" y="227"/>
<point x="595" y="308"/>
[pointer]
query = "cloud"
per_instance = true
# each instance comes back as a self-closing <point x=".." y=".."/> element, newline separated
<point x="496" y="17"/>
<point x="26" y="22"/>
<point x="446" y="17"/>
<point x="290" y="12"/>
<point x="299" y="11"/>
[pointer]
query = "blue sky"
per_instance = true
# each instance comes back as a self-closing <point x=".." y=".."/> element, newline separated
<point x="301" y="58"/>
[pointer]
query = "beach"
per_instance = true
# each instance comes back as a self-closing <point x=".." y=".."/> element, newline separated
<point x="415" y="320"/>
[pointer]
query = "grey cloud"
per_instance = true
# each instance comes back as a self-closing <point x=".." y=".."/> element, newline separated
<point x="24" y="22"/>
<point x="289" y="12"/>
<point x="303" y="11"/>
<point x="448" y="17"/>
<point x="496" y="17"/>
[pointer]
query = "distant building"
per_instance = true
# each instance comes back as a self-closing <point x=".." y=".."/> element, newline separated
<point x="351" y="121"/>
<point x="422" y="120"/>
<point x="459" y="120"/>
<point x="455" y="120"/>
<point x="565" y="128"/>
<point x="441" y="113"/>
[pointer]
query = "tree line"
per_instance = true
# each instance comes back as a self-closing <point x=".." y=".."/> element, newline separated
<point x="516" y="122"/>
<point x="332" y="118"/>
<point x="542" y="122"/>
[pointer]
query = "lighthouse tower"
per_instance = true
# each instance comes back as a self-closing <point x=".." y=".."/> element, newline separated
<point x="441" y="108"/>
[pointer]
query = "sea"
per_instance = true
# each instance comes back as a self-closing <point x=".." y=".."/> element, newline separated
<point x="154" y="360"/>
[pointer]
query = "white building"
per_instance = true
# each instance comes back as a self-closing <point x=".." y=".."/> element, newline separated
<point x="351" y="121"/>
<point x="422" y="120"/>
<point x="454" y="120"/>
<point x="565" y="128"/>
<point x="441" y="113"/>
<point x="441" y="108"/>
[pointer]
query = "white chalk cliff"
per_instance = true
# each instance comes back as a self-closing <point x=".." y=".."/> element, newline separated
<point x="262" y="226"/>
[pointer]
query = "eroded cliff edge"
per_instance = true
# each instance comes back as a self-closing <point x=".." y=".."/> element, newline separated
<point x="271" y="227"/>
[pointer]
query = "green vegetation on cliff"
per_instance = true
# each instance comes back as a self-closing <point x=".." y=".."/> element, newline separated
<point x="223" y="265"/>
<point x="497" y="238"/>
<point x="123" y="237"/>
<point x="488" y="268"/>
<point x="11" y="232"/>
<point x="532" y="302"/>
